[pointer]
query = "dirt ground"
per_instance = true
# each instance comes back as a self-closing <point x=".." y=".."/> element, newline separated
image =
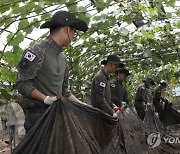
<point x="4" y="147"/>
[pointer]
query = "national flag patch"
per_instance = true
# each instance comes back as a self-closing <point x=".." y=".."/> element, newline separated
<point x="102" y="84"/>
<point x="113" y="85"/>
<point x="30" y="56"/>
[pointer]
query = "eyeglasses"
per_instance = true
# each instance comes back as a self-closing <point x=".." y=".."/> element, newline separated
<point x="75" y="31"/>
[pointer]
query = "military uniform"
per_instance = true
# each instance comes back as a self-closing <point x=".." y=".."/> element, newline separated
<point x="100" y="93"/>
<point x="42" y="67"/>
<point x="142" y="96"/>
<point x="118" y="92"/>
<point x="157" y="101"/>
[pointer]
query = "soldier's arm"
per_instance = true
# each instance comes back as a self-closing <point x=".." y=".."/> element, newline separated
<point x="141" y="94"/>
<point x="99" y="91"/>
<point x="27" y="71"/>
<point x="125" y="98"/>
<point x="157" y="95"/>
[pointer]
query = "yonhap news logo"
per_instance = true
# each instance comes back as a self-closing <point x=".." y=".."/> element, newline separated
<point x="155" y="139"/>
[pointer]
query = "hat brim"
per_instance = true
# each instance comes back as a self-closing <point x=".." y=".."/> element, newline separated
<point x="123" y="72"/>
<point x="78" y="24"/>
<point x="163" y="84"/>
<point x="104" y="62"/>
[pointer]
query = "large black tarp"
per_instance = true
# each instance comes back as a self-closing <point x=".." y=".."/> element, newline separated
<point x="71" y="128"/>
<point x="169" y="115"/>
<point x="153" y="124"/>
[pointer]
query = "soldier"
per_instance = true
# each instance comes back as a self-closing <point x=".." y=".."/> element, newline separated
<point x="100" y="90"/>
<point x="43" y="71"/>
<point x="158" y="99"/>
<point x="119" y="94"/>
<point x="142" y="97"/>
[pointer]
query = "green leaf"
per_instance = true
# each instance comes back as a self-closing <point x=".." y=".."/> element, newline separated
<point x="148" y="34"/>
<point x="72" y="8"/>
<point x="169" y="15"/>
<point x="45" y="17"/>
<point x="4" y="9"/>
<point x="84" y="17"/>
<point x="177" y="12"/>
<point x="36" y="23"/>
<point x="23" y="23"/>
<point x="14" y="40"/>
<point x="100" y="4"/>
<point x="153" y="11"/>
<point x="82" y="9"/>
<point x="137" y="39"/>
<point x="8" y="22"/>
<point x="11" y="58"/>
<point x="170" y="3"/>
<point x="177" y="24"/>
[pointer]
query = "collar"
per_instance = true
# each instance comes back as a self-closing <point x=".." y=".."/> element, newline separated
<point x="53" y="45"/>
<point x="118" y="81"/>
<point x="105" y="74"/>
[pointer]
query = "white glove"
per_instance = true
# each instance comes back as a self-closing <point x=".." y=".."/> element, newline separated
<point x="50" y="99"/>
<point x="115" y="115"/>
<point x="124" y="105"/>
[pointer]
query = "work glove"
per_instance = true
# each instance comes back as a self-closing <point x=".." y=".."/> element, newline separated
<point x="50" y="99"/>
<point x="124" y="105"/>
<point x="116" y="108"/>
<point x="115" y="115"/>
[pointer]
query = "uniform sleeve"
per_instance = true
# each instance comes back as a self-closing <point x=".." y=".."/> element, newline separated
<point x="125" y="98"/>
<point x="157" y="95"/>
<point x="99" y="92"/>
<point x="140" y="95"/>
<point x="28" y="67"/>
<point x="65" y="91"/>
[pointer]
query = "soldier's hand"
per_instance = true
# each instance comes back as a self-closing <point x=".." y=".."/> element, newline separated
<point x="115" y="115"/>
<point x="124" y="105"/>
<point x="50" y="99"/>
<point x="116" y="108"/>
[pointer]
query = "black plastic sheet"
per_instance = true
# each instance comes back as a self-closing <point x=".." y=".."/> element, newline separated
<point x="152" y="124"/>
<point x="71" y="128"/>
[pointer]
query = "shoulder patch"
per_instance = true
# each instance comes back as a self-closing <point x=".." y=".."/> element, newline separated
<point x="113" y="85"/>
<point x="30" y="56"/>
<point x="102" y="84"/>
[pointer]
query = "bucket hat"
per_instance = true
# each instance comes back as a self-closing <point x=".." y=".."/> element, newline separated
<point x="65" y="18"/>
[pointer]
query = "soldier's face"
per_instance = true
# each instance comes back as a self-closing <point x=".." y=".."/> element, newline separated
<point x="122" y="77"/>
<point x="114" y="67"/>
<point x="148" y="84"/>
<point x="69" y="34"/>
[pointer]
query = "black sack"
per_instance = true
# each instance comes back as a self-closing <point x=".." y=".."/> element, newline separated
<point x="169" y="115"/>
<point x="71" y="128"/>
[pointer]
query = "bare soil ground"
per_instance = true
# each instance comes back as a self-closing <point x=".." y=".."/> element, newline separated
<point x="6" y="148"/>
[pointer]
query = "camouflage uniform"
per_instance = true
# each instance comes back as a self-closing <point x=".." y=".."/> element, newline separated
<point x="100" y="93"/>
<point x="42" y="67"/>
<point x="141" y="97"/>
<point x="118" y="92"/>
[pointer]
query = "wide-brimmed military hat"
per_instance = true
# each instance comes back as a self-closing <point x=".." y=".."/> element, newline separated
<point x="64" y="18"/>
<point x="114" y="59"/>
<point x="123" y="71"/>
<point x="148" y="79"/>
